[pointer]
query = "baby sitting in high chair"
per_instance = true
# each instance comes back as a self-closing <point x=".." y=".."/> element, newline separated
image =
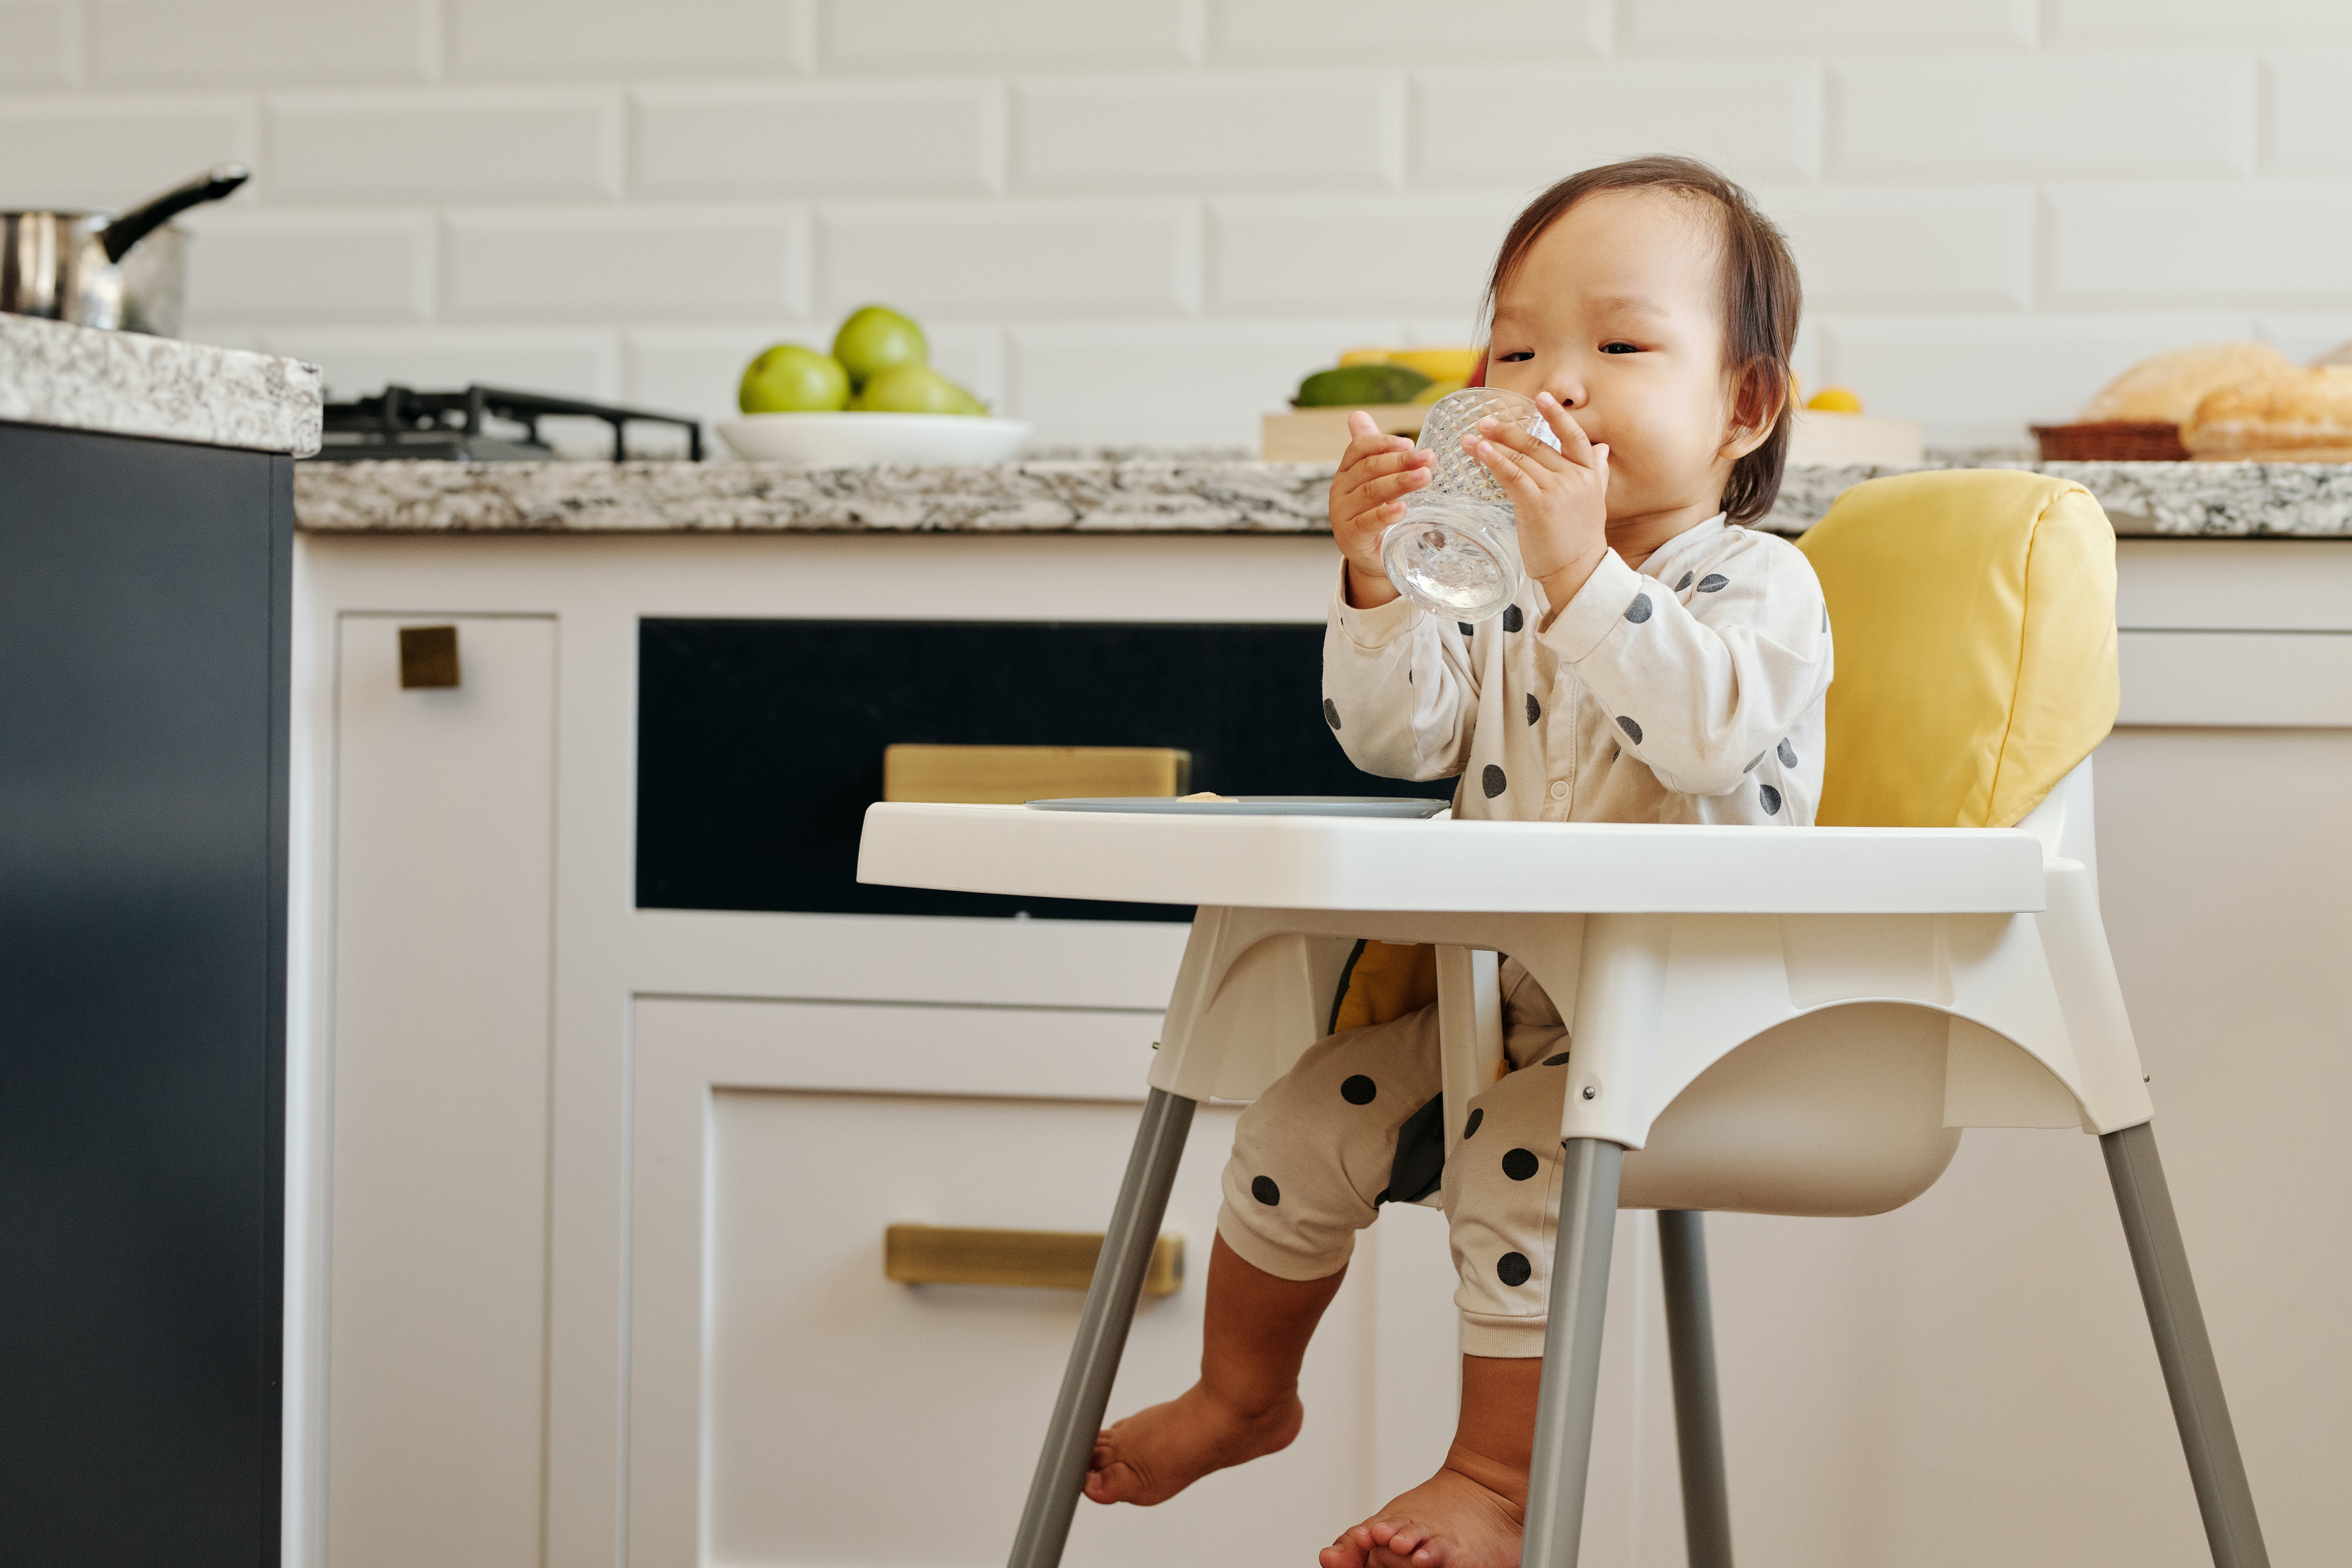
<point x="1662" y="663"/>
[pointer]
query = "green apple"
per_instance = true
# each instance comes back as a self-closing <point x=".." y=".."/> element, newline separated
<point x="790" y="379"/>
<point x="875" y="338"/>
<point x="915" y="389"/>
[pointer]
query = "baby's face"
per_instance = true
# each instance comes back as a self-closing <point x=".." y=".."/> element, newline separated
<point x="1617" y="310"/>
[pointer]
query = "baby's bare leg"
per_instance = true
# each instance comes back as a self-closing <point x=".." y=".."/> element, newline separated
<point x="1470" y="1514"/>
<point x="1246" y="1403"/>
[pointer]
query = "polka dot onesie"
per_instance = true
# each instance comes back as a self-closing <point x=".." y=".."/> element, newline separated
<point x="1690" y="691"/>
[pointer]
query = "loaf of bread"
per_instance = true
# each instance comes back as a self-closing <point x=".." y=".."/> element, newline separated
<point x="2292" y="414"/>
<point x="2167" y="388"/>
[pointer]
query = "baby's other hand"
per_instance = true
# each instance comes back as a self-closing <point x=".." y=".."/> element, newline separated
<point x="1376" y="473"/>
<point x="1559" y="496"/>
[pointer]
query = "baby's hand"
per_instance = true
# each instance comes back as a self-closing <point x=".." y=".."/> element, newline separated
<point x="1560" y="499"/>
<point x="1376" y="473"/>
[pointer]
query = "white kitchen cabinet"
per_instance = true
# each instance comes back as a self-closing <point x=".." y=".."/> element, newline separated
<point x="800" y="1403"/>
<point x="667" y="1255"/>
<point x="443" y="943"/>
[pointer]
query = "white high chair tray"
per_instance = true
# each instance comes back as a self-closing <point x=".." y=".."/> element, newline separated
<point x="1252" y="806"/>
<point x="1502" y="868"/>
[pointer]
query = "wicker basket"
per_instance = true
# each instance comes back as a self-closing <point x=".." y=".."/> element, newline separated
<point x="2112" y="441"/>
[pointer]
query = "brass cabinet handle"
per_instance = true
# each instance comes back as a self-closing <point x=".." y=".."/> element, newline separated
<point x="1007" y="775"/>
<point x="1050" y="1260"/>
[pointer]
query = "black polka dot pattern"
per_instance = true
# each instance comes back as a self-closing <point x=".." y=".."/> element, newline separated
<point x="1513" y="1268"/>
<point x="1513" y="619"/>
<point x="1713" y="583"/>
<point x="1535" y="709"/>
<point x="1465" y="627"/>
<point x="1559" y="1062"/>
<point x="1770" y="797"/>
<point x="1755" y="762"/>
<point x="1263" y="1189"/>
<point x="1684" y="584"/>
<point x="1358" y="1089"/>
<point x="1519" y="1165"/>
<point x="1632" y="730"/>
<point x="1470" y="1128"/>
<point x="1331" y="712"/>
<point x="1639" y="610"/>
<point x="1493" y="782"/>
<point x="1788" y="754"/>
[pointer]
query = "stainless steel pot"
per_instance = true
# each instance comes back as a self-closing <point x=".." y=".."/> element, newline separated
<point x="127" y="270"/>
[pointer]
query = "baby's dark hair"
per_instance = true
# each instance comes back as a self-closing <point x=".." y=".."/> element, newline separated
<point x="1761" y="297"/>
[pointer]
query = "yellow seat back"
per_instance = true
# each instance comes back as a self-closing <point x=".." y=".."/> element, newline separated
<point x="1973" y="613"/>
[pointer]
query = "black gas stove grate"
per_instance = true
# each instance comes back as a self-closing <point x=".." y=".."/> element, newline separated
<point x="403" y="423"/>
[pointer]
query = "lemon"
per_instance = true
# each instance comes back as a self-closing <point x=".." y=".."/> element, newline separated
<point x="1363" y="356"/>
<point x="1435" y="390"/>
<point x="1438" y="364"/>
<point x="1834" y="400"/>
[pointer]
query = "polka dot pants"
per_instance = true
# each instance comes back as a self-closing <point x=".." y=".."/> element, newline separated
<point x="1312" y="1160"/>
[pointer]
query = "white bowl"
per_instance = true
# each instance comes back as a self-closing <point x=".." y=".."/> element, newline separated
<point x="839" y="440"/>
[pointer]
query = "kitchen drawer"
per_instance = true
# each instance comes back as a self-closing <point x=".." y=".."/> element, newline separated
<point x="791" y="1406"/>
<point x="759" y="741"/>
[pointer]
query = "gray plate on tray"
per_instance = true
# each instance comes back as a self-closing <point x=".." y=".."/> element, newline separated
<point x="1255" y="806"/>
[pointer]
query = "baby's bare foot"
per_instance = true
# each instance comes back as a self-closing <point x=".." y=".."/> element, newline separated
<point x="1155" y="1453"/>
<point x="1450" y="1521"/>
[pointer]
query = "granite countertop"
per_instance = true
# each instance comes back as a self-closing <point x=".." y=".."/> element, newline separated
<point x="128" y="384"/>
<point x="1126" y="492"/>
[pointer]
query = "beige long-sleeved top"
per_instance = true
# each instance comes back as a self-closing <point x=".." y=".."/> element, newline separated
<point x="1690" y="691"/>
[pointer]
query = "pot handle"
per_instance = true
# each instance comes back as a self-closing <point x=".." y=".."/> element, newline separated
<point x="127" y="229"/>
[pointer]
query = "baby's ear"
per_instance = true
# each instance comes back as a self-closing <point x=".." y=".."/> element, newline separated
<point x="1760" y="392"/>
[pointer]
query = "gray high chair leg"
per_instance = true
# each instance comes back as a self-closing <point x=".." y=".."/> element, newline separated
<point x="1698" y="1413"/>
<point x="2191" y="1376"/>
<point x="1109" y="1312"/>
<point x="1572" y="1368"/>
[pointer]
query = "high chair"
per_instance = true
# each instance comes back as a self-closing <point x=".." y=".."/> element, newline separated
<point x="1772" y="1020"/>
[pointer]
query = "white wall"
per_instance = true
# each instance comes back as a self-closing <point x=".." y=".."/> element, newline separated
<point x="1143" y="219"/>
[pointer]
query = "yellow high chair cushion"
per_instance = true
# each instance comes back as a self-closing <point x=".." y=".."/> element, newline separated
<point x="1974" y="616"/>
<point x="1385" y="981"/>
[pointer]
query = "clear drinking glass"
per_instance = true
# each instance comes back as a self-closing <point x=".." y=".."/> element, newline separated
<point x="1456" y="551"/>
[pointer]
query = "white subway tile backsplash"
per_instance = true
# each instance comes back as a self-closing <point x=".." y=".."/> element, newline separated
<point x="1836" y="26"/>
<point x="829" y="138"/>
<point x="39" y="38"/>
<point x="2303" y="335"/>
<point x="2280" y="243"/>
<point x="1031" y="258"/>
<point x="1025" y="35"/>
<point x="1399" y="32"/>
<point x="1902" y="247"/>
<point x="279" y="267"/>
<point x="1429" y="254"/>
<point x="1246" y="131"/>
<point x="532" y="143"/>
<point x="247" y="42"/>
<point x="1757" y="123"/>
<point x="361" y="362"/>
<point x="108" y="152"/>
<point x="2169" y="114"/>
<point x="1177" y="383"/>
<point x="694" y="371"/>
<point x="1995" y="204"/>
<point x="602" y="39"/>
<point x="585" y="265"/>
<point x="2161" y="21"/>
<point x="2310" y="129"/>
<point x="1985" y="377"/>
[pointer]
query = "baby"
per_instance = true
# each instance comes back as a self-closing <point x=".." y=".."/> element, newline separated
<point x="1664" y="663"/>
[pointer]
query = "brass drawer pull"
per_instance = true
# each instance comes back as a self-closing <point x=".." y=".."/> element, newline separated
<point x="1048" y="1259"/>
<point x="1007" y="775"/>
